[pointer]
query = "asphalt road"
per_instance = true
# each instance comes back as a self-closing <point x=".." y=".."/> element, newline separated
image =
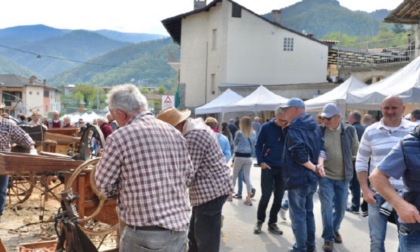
<point x="239" y="221"/>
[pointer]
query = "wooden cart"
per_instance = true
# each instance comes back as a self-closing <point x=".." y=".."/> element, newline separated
<point x="77" y="172"/>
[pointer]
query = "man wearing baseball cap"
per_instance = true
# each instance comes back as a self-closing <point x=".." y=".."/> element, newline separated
<point x="341" y="144"/>
<point x="304" y="163"/>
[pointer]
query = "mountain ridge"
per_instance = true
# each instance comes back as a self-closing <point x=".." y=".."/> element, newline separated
<point x="72" y="56"/>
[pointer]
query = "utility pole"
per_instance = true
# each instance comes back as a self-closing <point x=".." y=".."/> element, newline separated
<point x="97" y="98"/>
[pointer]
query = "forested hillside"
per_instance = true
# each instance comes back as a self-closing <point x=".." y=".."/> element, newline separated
<point x="322" y="17"/>
<point x="144" y="63"/>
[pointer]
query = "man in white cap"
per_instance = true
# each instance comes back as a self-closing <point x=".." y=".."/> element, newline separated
<point x="303" y="161"/>
<point x="341" y="144"/>
<point x="146" y="163"/>
<point x="211" y="184"/>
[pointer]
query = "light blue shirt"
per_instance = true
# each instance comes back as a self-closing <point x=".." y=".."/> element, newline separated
<point x="224" y="145"/>
<point x="393" y="164"/>
<point x="245" y="144"/>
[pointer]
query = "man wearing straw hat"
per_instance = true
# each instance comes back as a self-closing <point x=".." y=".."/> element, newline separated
<point x="146" y="162"/>
<point x="211" y="184"/>
<point x="11" y="133"/>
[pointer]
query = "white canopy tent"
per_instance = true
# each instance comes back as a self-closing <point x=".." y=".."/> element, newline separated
<point x="261" y="99"/>
<point x="88" y="117"/>
<point x="337" y="95"/>
<point x="215" y="106"/>
<point x="404" y="83"/>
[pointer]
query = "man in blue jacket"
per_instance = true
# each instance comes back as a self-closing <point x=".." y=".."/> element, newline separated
<point x="304" y="162"/>
<point x="269" y="149"/>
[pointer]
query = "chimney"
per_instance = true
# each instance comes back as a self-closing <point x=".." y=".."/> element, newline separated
<point x="276" y="16"/>
<point x="198" y="4"/>
<point x="32" y="80"/>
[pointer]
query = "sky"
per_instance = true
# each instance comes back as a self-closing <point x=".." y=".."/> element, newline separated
<point x="135" y="16"/>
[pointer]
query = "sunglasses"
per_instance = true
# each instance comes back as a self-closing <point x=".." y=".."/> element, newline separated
<point x="325" y="118"/>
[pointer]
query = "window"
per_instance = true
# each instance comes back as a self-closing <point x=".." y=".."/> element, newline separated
<point x="214" y="39"/>
<point x="236" y="11"/>
<point x="46" y="93"/>
<point x="30" y="92"/>
<point x="288" y="44"/>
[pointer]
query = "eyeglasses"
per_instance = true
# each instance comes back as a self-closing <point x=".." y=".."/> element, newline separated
<point x="324" y="118"/>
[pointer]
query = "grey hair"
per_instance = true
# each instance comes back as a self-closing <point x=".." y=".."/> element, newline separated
<point x="127" y="98"/>
<point x="356" y="115"/>
<point x="416" y="114"/>
<point x="278" y="111"/>
<point x="101" y="119"/>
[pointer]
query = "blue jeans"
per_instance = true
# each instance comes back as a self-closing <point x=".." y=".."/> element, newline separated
<point x="377" y="225"/>
<point x="333" y="197"/>
<point x="301" y="206"/>
<point x="146" y="241"/>
<point x="4" y="181"/>
<point x="355" y="192"/>
<point x="240" y="181"/>
<point x="271" y="183"/>
<point x="409" y="239"/>
<point x="205" y="226"/>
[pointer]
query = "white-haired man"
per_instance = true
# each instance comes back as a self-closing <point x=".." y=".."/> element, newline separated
<point x="146" y="163"/>
<point x="55" y="122"/>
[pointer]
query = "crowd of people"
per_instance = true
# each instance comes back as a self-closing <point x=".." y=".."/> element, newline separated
<point x="178" y="165"/>
<point x="107" y="124"/>
<point x="171" y="175"/>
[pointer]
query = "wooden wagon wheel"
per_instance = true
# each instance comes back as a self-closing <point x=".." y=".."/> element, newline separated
<point x="84" y="152"/>
<point x="102" y="197"/>
<point x="20" y="188"/>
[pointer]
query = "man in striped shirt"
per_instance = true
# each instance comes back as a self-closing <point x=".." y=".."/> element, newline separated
<point x="146" y="163"/>
<point x="377" y="141"/>
<point x="211" y="184"/>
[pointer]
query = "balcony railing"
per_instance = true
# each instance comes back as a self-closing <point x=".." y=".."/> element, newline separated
<point x="371" y="54"/>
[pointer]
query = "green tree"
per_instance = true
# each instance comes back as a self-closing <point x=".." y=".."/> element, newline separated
<point x="87" y="96"/>
<point x="144" y="90"/>
<point x="161" y="90"/>
<point x="398" y="28"/>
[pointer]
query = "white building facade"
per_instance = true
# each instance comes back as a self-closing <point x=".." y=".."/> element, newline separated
<point x="225" y="45"/>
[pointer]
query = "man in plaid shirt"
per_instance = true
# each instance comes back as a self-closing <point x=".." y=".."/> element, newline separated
<point x="211" y="184"/>
<point x="146" y="162"/>
<point x="11" y="133"/>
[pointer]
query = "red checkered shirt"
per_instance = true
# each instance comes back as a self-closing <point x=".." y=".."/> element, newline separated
<point x="212" y="178"/>
<point x="11" y="133"/>
<point x="147" y="163"/>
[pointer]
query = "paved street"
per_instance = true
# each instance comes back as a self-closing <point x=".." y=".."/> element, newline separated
<point x="237" y="232"/>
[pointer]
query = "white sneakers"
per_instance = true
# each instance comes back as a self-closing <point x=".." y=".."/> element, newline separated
<point x="283" y="212"/>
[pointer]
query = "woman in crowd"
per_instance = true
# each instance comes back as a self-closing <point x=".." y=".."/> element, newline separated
<point x="244" y="142"/>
